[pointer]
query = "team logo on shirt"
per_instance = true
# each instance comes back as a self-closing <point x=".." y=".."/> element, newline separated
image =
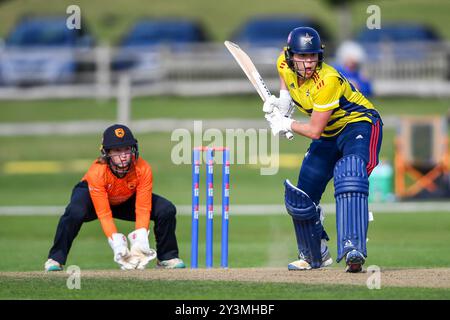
<point x="119" y="133"/>
<point x="131" y="185"/>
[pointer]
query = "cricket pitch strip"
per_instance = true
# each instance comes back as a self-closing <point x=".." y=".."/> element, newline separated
<point x="390" y="277"/>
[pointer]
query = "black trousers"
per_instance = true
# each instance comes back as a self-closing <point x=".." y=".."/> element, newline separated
<point x="81" y="209"/>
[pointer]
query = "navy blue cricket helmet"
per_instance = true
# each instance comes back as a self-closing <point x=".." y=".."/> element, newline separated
<point x="303" y="40"/>
<point x="119" y="136"/>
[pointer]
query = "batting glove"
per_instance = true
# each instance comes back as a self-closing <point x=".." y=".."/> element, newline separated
<point x="278" y="123"/>
<point x="119" y="245"/>
<point x="141" y="253"/>
<point x="283" y="103"/>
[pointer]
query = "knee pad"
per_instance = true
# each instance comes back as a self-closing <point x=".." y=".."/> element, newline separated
<point x="306" y="218"/>
<point x="351" y="186"/>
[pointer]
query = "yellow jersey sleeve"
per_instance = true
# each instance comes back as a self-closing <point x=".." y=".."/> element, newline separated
<point x="326" y="96"/>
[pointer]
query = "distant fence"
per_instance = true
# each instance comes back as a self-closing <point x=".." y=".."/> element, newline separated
<point x="208" y="69"/>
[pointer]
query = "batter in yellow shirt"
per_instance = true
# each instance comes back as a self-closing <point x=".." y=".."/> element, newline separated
<point x="328" y="90"/>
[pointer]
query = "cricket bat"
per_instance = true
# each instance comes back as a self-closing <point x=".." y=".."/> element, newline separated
<point x="252" y="74"/>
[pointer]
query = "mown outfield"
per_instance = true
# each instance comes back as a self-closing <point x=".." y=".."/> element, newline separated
<point x="397" y="241"/>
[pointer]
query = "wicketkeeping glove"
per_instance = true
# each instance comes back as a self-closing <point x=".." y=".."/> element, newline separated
<point x="141" y="253"/>
<point x="119" y="245"/>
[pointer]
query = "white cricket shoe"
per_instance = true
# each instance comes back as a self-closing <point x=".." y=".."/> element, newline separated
<point x="299" y="264"/>
<point x="175" y="263"/>
<point x="52" y="265"/>
<point x="303" y="264"/>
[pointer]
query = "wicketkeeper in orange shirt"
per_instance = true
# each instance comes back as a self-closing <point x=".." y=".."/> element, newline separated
<point x="119" y="185"/>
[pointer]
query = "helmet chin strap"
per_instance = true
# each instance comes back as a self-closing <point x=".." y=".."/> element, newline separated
<point x="120" y="171"/>
<point x="117" y="170"/>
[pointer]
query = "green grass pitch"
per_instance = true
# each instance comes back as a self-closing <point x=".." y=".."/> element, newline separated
<point x="414" y="240"/>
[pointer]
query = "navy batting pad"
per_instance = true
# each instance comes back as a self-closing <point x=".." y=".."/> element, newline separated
<point x="351" y="186"/>
<point x="306" y="218"/>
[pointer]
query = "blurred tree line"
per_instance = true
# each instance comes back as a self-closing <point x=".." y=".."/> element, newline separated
<point x="344" y="15"/>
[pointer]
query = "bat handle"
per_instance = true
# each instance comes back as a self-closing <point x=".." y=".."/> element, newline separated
<point x="289" y="135"/>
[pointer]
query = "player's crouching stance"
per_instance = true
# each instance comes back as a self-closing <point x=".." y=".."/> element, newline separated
<point x="119" y="185"/>
<point x="347" y="132"/>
